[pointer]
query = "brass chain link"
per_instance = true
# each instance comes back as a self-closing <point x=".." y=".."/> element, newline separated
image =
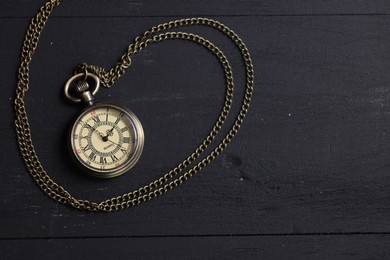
<point x="174" y="177"/>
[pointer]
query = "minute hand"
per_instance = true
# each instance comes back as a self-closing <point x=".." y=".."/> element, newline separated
<point x="110" y="131"/>
<point x="120" y="146"/>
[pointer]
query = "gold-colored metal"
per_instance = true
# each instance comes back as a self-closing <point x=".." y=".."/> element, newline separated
<point x="136" y="139"/>
<point x="174" y="177"/>
<point x="84" y="75"/>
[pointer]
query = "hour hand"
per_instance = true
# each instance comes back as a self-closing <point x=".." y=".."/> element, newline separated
<point x="100" y="134"/>
<point x="95" y="130"/>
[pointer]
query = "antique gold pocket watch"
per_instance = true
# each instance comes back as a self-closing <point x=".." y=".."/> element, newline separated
<point x="105" y="140"/>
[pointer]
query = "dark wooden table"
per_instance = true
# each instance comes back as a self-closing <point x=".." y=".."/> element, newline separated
<point x="306" y="178"/>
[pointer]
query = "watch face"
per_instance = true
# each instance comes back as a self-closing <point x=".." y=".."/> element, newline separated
<point x="106" y="140"/>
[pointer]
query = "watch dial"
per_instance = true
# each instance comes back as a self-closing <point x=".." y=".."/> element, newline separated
<point x="107" y="140"/>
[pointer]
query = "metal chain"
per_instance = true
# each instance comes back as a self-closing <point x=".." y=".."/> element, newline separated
<point x="173" y="178"/>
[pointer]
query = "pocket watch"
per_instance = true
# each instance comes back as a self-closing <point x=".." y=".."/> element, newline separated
<point x="105" y="140"/>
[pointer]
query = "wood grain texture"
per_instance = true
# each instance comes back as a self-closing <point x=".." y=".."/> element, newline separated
<point x="311" y="159"/>
<point x="230" y="247"/>
<point x="170" y="8"/>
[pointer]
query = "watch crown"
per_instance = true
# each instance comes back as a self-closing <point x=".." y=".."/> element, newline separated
<point x="82" y="89"/>
<point x="82" y="86"/>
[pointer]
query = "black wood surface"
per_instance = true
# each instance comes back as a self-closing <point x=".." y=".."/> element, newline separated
<point x="306" y="177"/>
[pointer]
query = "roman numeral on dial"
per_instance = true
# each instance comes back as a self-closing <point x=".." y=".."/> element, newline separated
<point x="92" y="156"/>
<point x="114" y="158"/>
<point x="119" y="118"/>
<point x="103" y="160"/>
<point x="96" y="119"/>
<point x="86" y="148"/>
